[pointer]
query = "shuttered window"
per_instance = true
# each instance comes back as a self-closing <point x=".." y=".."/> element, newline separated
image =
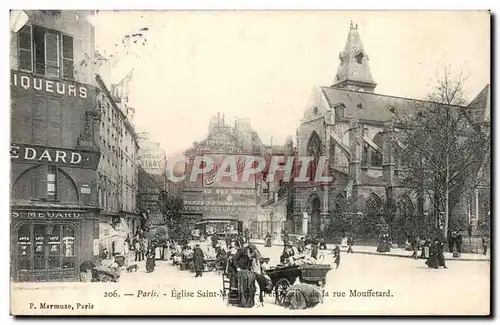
<point x="39" y="55"/>
<point x="25" y="48"/>
<point x="52" y="55"/>
<point x="67" y="56"/>
<point x="46" y="52"/>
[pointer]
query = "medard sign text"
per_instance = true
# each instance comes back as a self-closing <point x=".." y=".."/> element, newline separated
<point x="56" y="156"/>
<point x="45" y="215"/>
<point x="29" y="82"/>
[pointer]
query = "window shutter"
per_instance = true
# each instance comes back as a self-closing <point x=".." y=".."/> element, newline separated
<point x="25" y="48"/>
<point x="52" y="54"/>
<point x="39" y="48"/>
<point x="67" y="57"/>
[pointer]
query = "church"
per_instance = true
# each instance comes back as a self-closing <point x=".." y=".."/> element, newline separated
<point x="353" y="126"/>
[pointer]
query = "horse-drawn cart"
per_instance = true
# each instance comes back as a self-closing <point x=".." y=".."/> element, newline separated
<point x="283" y="277"/>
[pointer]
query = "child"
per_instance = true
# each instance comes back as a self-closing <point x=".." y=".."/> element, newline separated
<point x="336" y="255"/>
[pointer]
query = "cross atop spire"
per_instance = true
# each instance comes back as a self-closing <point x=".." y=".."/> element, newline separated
<point x="354" y="70"/>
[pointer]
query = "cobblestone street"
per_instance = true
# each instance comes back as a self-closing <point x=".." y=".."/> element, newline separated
<point x="408" y="281"/>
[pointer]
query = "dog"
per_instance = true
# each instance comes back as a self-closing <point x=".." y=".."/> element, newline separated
<point x="133" y="267"/>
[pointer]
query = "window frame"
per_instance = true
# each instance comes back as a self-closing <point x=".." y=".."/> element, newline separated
<point x="60" y="53"/>
<point x="31" y="50"/>
<point x="46" y="256"/>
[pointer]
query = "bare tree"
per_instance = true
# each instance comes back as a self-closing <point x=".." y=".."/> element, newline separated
<point x="441" y="147"/>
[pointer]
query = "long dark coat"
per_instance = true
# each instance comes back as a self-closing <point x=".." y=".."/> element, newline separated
<point x="198" y="258"/>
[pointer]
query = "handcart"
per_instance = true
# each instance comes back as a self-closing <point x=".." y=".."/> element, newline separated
<point x="283" y="277"/>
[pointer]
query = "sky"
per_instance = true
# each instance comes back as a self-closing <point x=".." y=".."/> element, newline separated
<point x="264" y="65"/>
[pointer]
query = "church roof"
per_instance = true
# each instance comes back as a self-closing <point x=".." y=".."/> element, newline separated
<point x="354" y="64"/>
<point x="482" y="105"/>
<point x="366" y="106"/>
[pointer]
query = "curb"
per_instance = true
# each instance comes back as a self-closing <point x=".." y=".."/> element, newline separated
<point x="468" y="259"/>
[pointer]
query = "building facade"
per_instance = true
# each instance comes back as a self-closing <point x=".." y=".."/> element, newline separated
<point x="54" y="147"/>
<point x="149" y="199"/>
<point x="152" y="179"/>
<point x="117" y="174"/>
<point x="354" y="128"/>
<point x="225" y="205"/>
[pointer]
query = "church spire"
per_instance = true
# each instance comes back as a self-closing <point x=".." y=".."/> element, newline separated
<point x="354" y="70"/>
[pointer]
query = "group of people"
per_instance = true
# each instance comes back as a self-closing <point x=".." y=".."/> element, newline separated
<point x="244" y="268"/>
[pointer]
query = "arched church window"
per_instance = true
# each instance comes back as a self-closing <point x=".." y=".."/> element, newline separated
<point x="376" y="157"/>
<point x="315" y="110"/>
<point x="314" y="150"/>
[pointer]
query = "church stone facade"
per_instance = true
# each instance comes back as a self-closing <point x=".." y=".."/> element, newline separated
<point x="352" y="125"/>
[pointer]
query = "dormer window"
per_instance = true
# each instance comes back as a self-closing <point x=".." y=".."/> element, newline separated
<point x="359" y="57"/>
<point x="339" y="110"/>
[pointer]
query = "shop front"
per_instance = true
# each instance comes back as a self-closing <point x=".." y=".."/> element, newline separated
<point x="50" y="241"/>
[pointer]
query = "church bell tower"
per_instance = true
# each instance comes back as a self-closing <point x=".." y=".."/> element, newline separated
<point x="353" y="72"/>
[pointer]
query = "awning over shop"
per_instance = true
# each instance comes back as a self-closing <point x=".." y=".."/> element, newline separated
<point x="107" y="231"/>
<point x="123" y="227"/>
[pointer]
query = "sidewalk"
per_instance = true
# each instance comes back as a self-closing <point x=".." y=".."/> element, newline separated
<point x="396" y="252"/>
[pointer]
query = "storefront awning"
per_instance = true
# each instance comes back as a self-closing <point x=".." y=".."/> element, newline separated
<point x="123" y="227"/>
<point x="107" y="231"/>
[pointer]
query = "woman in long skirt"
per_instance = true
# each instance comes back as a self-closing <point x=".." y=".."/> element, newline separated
<point x="150" y="260"/>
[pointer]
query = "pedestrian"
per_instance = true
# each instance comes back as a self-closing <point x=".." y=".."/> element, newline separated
<point x="440" y="254"/>
<point x="336" y="255"/>
<point x="432" y="261"/>
<point x="150" y="259"/>
<point x="414" y="247"/>
<point x="485" y="244"/>
<point x="198" y="259"/>
<point x="300" y="245"/>
<point x="350" y="243"/>
<point x="137" y="248"/>
<point x="245" y="278"/>
<point x="104" y="254"/>
<point x="459" y="242"/>
<point x="322" y="243"/>
<point x="314" y="249"/>
<point x="268" y="240"/>
<point x="126" y="250"/>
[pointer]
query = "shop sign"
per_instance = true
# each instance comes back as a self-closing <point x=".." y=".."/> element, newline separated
<point x="45" y="215"/>
<point x="54" y="156"/>
<point x="221" y="200"/>
<point x="63" y="88"/>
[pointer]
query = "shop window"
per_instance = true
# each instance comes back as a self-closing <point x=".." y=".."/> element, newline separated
<point x="46" y="52"/>
<point x="46" y="248"/>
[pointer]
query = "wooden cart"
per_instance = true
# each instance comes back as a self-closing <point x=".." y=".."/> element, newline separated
<point x="283" y="277"/>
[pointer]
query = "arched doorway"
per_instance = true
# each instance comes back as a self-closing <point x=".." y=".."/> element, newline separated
<point x="374" y="222"/>
<point x="314" y="225"/>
